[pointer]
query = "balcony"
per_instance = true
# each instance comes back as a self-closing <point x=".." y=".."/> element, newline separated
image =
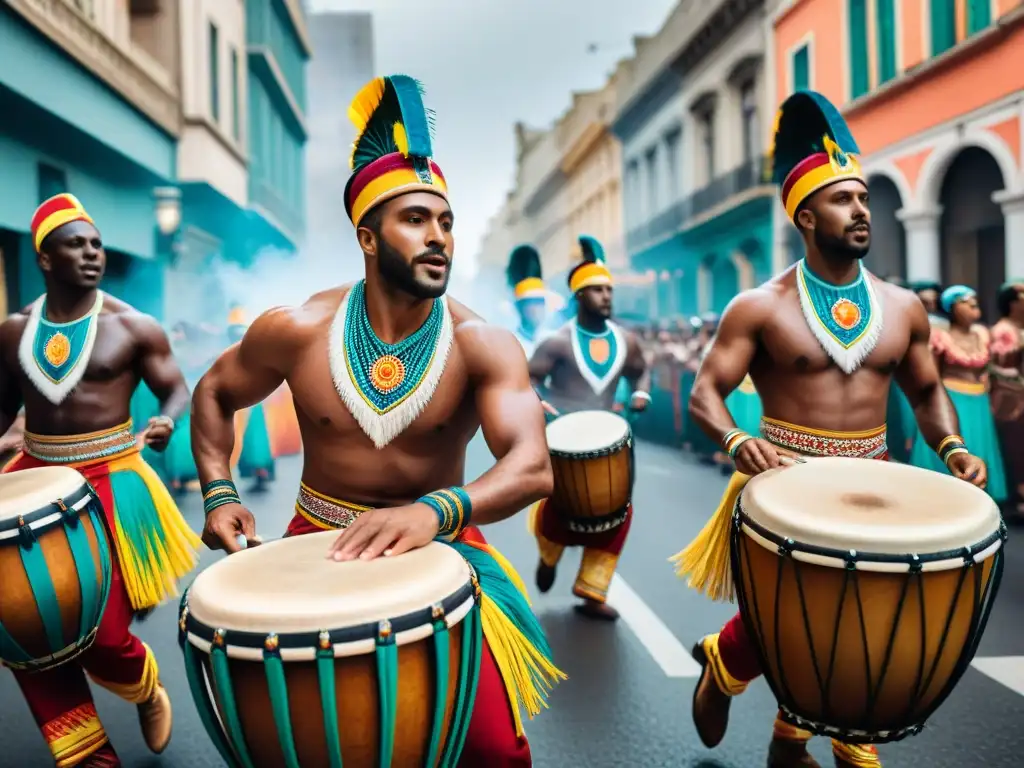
<point x="677" y="217"/>
<point x="267" y="201"/>
<point x="127" y="69"/>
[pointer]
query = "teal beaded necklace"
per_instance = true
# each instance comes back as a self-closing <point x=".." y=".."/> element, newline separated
<point x="386" y="374"/>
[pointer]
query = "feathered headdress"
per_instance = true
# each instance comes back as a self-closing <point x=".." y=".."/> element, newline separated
<point x="392" y="152"/>
<point x="591" y="270"/>
<point x="525" y="274"/>
<point x="813" y="147"/>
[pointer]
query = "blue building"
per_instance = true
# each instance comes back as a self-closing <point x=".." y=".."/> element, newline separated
<point x="85" y="114"/>
<point x="692" y="120"/>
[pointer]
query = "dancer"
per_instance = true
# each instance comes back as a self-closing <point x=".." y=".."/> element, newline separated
<point x="1008" y="387"/>
<point x="254" y="457"/>
<point x="814" y="343"/>
<point x="73" y="358"/>
<point x="525" y="278"/>
<point x="963" y="354"/>
<point x="578" y="368"/>
<point x="392" y="380"/>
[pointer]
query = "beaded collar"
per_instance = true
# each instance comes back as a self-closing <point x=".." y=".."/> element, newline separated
<point x="599" y="356"/>
<point x="386" y="386"/>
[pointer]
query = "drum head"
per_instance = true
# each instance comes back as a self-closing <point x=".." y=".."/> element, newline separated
<point x="290" y="586"/>
<point x="31" y="489"/>
<point x="586" y="431"/>
<point x="870" y="506"/>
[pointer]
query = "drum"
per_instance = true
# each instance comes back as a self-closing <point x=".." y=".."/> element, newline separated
<point x="54" y="567"/>
<point x="592" y="461"/>
<point x="865" y="586"/>
<point x="297" y="660"/>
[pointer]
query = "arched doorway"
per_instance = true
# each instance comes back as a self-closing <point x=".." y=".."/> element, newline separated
<point x="888" y="255"/>
<point x="972" y="234"/>
<point x="725" y="282"/>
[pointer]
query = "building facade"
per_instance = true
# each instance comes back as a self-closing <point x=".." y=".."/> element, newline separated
<point x="90" y="98"/>
<point x="691" y="118"/>
<point x="933" y="91"/>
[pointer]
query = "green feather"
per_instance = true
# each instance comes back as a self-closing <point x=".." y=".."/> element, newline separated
<point x="524" y="262"/>
<point x="402" y="103"/>
<point x="806" y="117"/>
<point x="593" y="251"/>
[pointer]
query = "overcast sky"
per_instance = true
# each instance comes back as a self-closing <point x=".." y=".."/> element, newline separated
<point x="486" y="64"/>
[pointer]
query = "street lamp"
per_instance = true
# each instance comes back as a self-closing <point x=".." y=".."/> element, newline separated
<point x="168" y="209"/>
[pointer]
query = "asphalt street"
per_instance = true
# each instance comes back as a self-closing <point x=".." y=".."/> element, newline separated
<point x="627" y="700"/>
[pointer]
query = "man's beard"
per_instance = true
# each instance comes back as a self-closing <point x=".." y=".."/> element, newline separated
<point x="400" y="274"/>
<point x="838" y="248"/>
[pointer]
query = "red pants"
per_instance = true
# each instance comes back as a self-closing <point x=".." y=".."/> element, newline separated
<point x="491" y="740"/>
<point x="59" y="698"/>
<point x="737" y="650"/>
<point x="601" y="551"/>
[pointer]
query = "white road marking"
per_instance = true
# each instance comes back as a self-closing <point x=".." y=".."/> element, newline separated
<point x="668" y="652"/>
<point x="1006" y="670"/>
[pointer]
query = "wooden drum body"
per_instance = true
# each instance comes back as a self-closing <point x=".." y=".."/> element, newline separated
<point x="592" y="461"/>
<point x="54" y="567"/>
<point x="866" y="587"/>
<point x="295" y="660"/>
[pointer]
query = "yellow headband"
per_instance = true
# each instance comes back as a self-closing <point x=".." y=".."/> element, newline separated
<point x="530" y="288"/>
<point x="588" y="275"/>
<point x="54" y="213"/>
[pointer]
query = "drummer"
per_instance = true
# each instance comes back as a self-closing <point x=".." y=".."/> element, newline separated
<point x="814" y="343"/>
<point x="391" y="381"/>
<point x="526" y="279"/>
<point x="577" y="368"/>
<point x="73" y="358"/>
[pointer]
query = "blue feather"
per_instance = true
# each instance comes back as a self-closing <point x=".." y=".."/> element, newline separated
<point x="415" y="118"/>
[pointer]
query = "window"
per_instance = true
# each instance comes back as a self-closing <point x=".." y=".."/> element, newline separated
<point x="860" y="82"/>
<point x="633" y="190"/>
<point x="943" y="17"/>
<point x="802" y="68"/>
<point x="979" y="15"/>
<point x="236" y="111"/>
<point x="214" y="53"/>
<point x="748" y="117"/>
<point x="52" y="181"/>
<point x="672" y="139"/>
<point x="885" y="32"/>
<point x="707" y="140"/>
<point x="651" y="159"/>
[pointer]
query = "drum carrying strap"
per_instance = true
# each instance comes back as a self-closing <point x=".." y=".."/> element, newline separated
<point x="229" y="737"/>
<point x="94" y="587"/>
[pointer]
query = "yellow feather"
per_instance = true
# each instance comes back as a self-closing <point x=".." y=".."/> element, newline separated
<point x="401" y="140"/>
<point x="362" y="108"/>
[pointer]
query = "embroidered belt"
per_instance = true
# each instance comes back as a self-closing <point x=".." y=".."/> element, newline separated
<point x="105" y="444"/>
<point x="325" y="512"/>
<point x="869" y="444"/>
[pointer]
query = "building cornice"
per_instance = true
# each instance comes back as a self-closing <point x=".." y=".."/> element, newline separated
<point x="581" y="148"/>
<point x="715" y="31"/>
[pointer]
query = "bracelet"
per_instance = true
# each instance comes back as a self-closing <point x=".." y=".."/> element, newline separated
<point x="453" y="509"/>
<point x="950" y="446"/>
<point x="737" y="443"/>
<point x="217" y="493"/>
<point x="729" y="436"/>
<point x="946" y="441"/>
<point x="733" y="439"/>
<point x="952" y="452"/>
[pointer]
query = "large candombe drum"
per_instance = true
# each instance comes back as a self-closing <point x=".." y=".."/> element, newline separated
<point x="866" y="586"/>
<point x="592" y="461"/>
<point x="54" y="567"/>
<point x="296" y="660"/>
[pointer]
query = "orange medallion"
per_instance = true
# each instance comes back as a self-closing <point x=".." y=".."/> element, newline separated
<point x="846" y="314"/>
<point x="600" y="350"/>
<point x="57" y="350"/>
<point x="387" y="373"/>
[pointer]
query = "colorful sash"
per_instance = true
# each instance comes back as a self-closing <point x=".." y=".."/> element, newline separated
<point x="511" y="629"/>
<point x="386" y="386"/>
<point x="54" y="356"/>
<point x="599" y="356"/>
<point x="706" y="559"/>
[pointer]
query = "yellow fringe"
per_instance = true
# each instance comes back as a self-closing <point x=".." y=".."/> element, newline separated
<point x="856" y="755"/>
<point x="151" y="577"/>
<point x="524" y="669"/>
<point x="509" y="569"/>
<point x="140" y="692"/>
<point x="706" y="559"/>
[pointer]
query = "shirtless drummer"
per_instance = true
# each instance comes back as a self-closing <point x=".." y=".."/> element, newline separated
<point x="578" y="368"/>
<point x="391" y="381"/>
<point x="74" y="358"/>
<point x="813" y="341"/>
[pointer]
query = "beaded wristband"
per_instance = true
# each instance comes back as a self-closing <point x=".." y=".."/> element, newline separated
<point x="453" y="509"/>
<point x="940" y="449"/>
<point x="952" y="452"/>
<point x="217" y="493"/>
<point x="737" y="443"/>
<point x="729" y="436"/>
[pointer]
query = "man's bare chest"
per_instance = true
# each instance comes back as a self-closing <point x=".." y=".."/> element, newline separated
<point x="112" y="355"/>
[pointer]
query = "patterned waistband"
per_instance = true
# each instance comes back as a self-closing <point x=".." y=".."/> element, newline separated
<point x="869" y="444"/>
<point x="103" y="445"/>
<point x="965" y="387"/>
<point x="325" y="512"/>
